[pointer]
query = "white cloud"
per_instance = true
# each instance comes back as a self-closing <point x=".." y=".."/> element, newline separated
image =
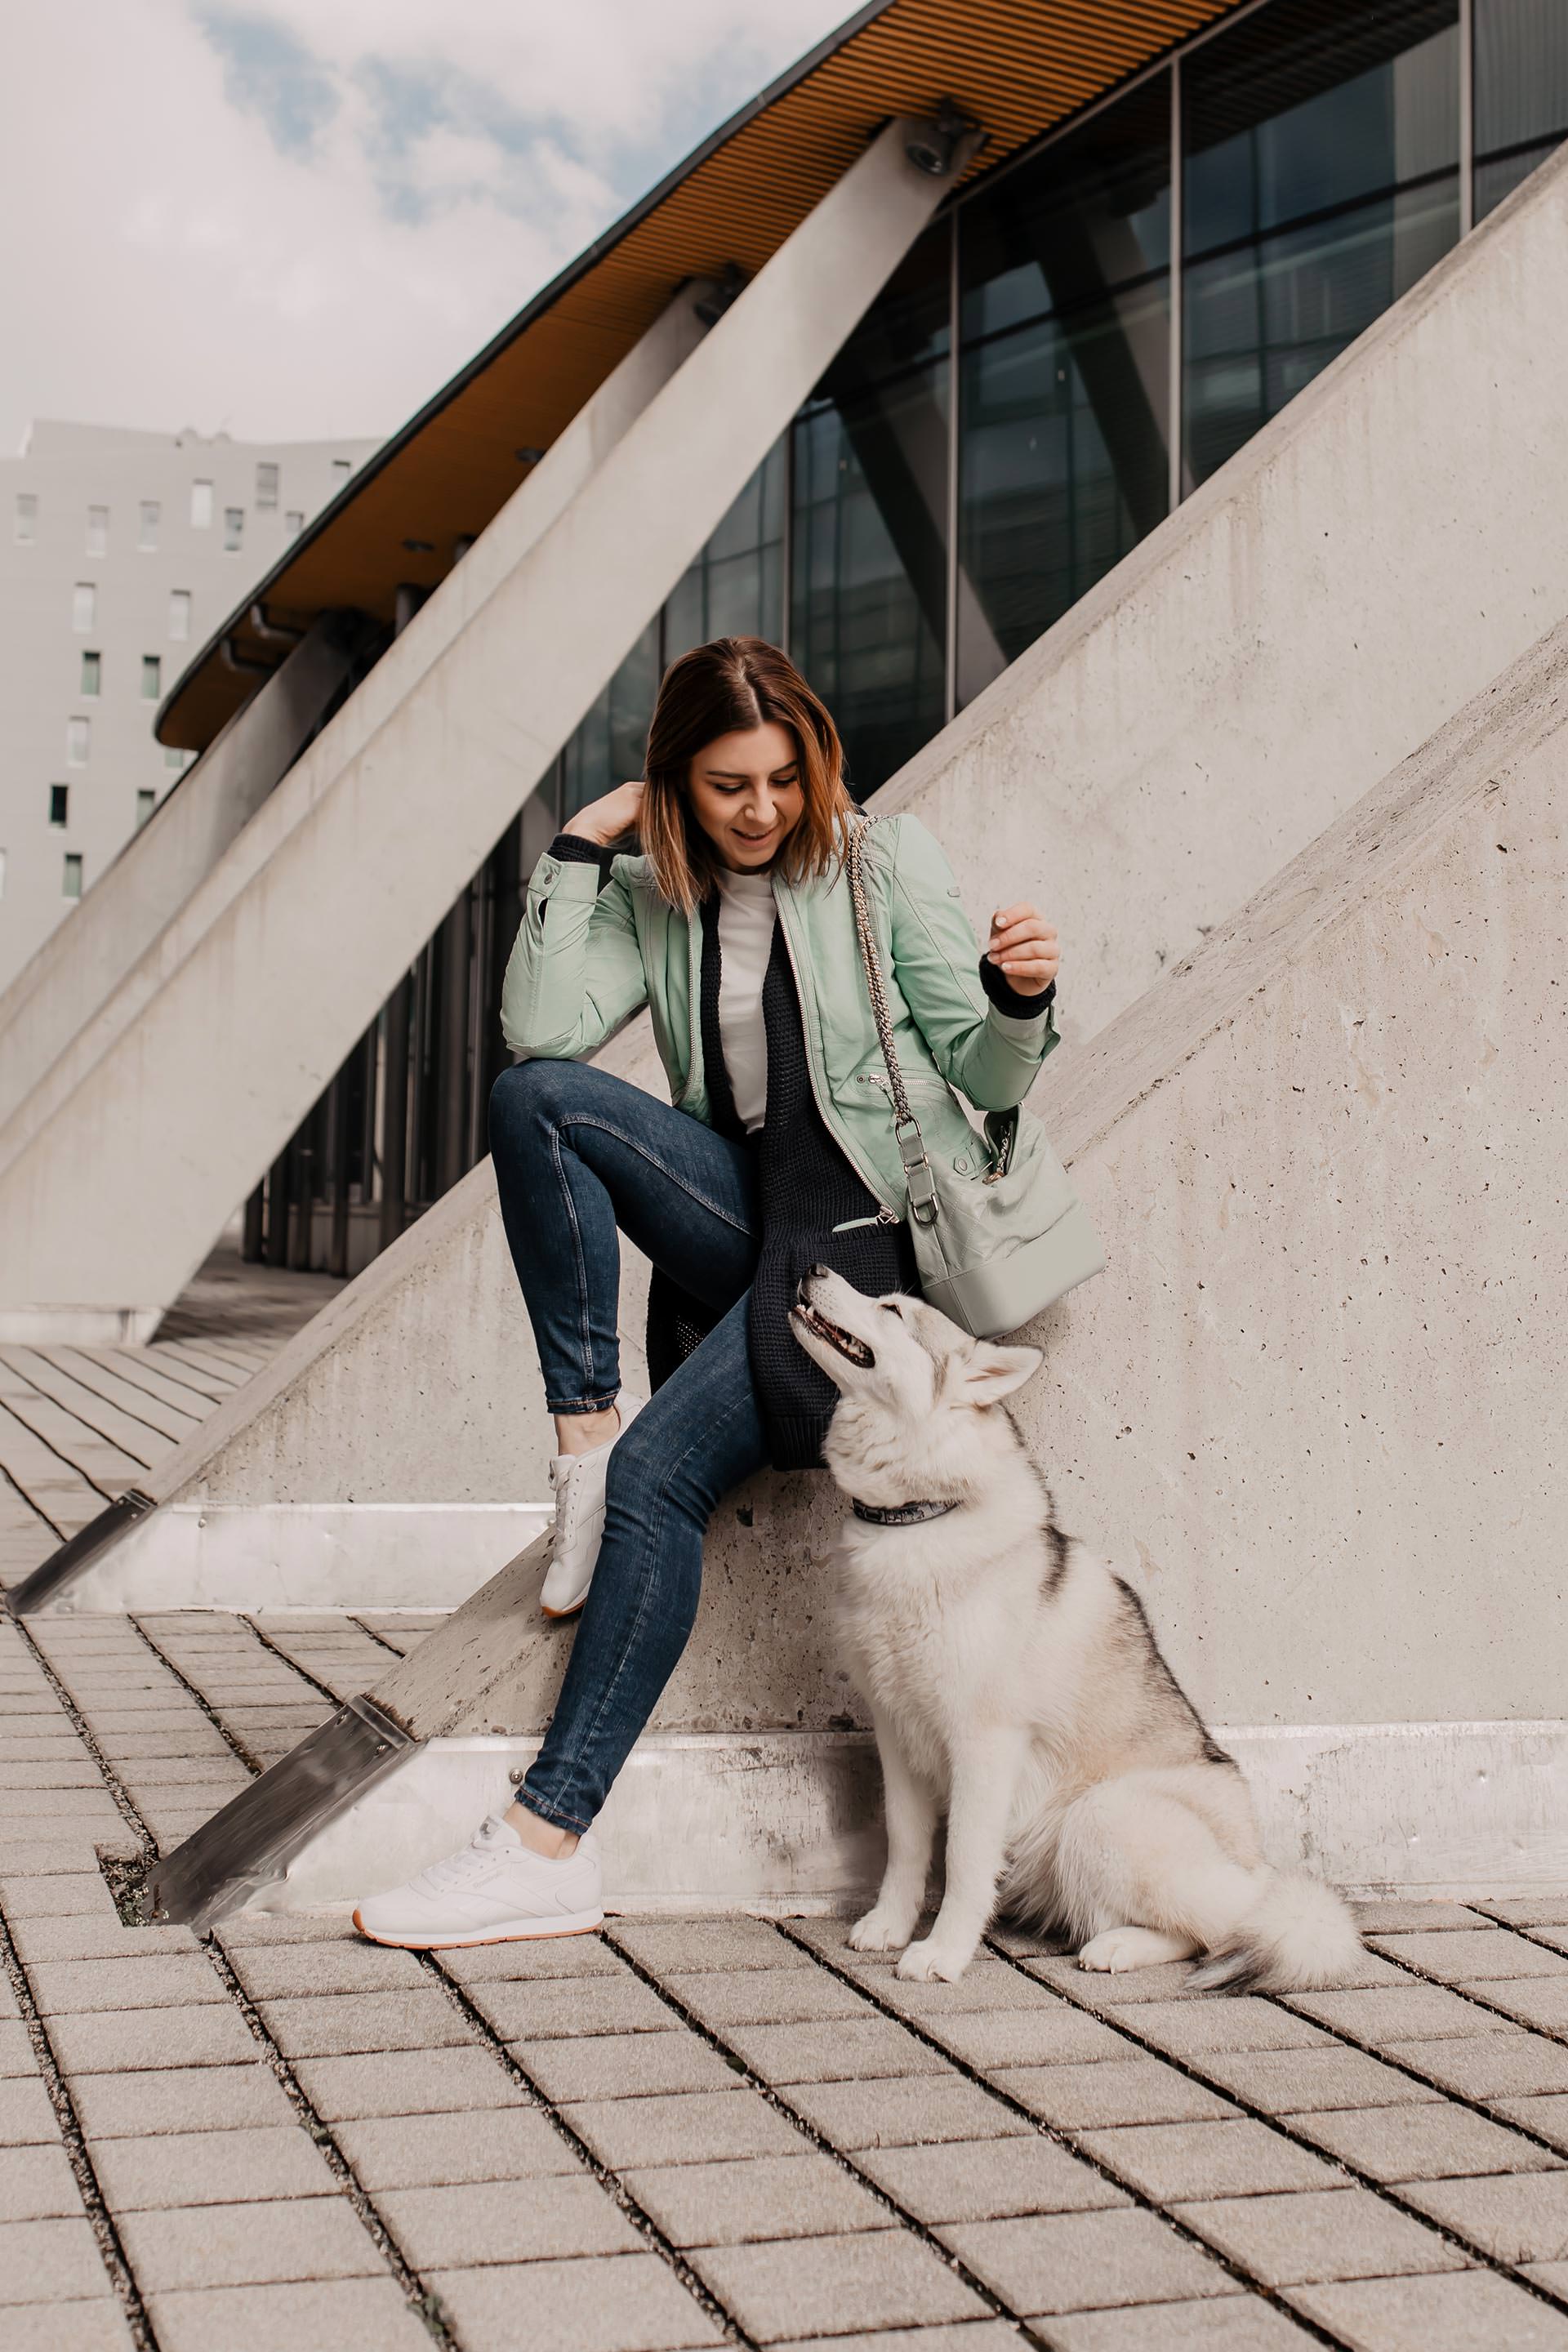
<point x="299" y="218"/>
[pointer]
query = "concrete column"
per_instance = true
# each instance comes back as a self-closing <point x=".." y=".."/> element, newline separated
<point x="86" y="989"/>
<point x="84" y="960"/>
<point x="253" y="995"/>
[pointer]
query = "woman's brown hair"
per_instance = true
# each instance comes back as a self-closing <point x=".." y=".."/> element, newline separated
<point x="735" y="683"/>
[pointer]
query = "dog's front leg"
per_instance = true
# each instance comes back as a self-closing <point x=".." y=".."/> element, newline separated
<point x="911" y="1808"/>
<point x="985" y="1769"/>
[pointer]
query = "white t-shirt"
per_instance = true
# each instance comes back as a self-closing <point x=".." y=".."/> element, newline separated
<point x="746" y="916"/>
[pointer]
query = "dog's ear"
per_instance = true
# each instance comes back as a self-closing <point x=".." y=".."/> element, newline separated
<point x="990" y="1373"/>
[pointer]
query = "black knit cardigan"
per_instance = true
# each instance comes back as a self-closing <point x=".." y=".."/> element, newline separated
<point x="808" y="1192"/>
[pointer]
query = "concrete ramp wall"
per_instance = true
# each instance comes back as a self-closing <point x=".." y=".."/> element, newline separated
<point x="1318" y="1407"/>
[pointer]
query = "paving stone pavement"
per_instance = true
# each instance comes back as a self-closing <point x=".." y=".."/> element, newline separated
<point x="688" y="2131"/>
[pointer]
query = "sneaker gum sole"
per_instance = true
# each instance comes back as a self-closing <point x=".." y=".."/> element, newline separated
<point x="572" y="1922"/>
<point x="575" y="1609"/>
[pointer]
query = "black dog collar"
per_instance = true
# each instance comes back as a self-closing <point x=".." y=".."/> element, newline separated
<point x="899" y="1514"/>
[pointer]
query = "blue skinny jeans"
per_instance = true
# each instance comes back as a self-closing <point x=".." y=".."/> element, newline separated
<point x="577" y="1154"/>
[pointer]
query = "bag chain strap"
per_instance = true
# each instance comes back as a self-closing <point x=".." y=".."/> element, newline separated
<point x="917" y="1165"/>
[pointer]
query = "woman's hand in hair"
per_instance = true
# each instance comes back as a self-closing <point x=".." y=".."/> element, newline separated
<point x="607" y="820"/>
<point x="1023" y="946"/>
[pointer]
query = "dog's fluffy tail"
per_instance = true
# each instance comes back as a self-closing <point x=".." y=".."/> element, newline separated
<point x="1298" y="1935"/>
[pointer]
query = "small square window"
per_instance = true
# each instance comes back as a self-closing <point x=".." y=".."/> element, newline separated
<point x="59" y="803"/>
<point x="342" y="468"/>
<point x="147" y="524"/>
<point x="84" y="607"/>
<point x="233" y="530"/>
<point x="79" y="742"/>
<point x="293" y="523"/>
<point x="70" y="878"/>
<point x="26" y="517"/>
<point x="201" y="506"/>
<point x="175" y="759"/>
<point x="179" y="612"/>
<point x="91" y="673"/>
<point x="146" y="802"/>
<point x="98" y="530"/>
<point x="152" y="676"/>
<point x="266" y="484"/>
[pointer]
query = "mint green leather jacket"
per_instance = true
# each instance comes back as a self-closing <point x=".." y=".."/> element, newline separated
<point x="605" y="953"/>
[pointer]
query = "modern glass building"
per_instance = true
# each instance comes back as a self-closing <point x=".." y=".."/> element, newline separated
<point x="1083" y="338"/>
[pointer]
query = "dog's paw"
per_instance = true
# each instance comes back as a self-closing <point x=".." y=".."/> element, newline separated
<point x="1121" y="1949"/>
<point x="928" y="1960"/>
<point x="878" y="1931"/>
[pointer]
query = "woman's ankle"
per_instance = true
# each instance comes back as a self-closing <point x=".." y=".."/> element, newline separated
<point x="539" y="1835"/>
<point x="581" y="1432"/>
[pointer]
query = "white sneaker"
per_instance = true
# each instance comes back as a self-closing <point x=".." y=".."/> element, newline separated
<point x="494" y="1891"/>
<point x="579" y="1483"/>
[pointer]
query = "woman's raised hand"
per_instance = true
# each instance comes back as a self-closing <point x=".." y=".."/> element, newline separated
<point x="606" y="820"/>
<point x="1023" y="946"/>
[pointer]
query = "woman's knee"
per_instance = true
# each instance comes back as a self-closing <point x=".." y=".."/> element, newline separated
<point x="530" y="1098"/>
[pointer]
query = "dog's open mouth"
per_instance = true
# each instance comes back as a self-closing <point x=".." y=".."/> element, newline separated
<point x="848" y="1345"/>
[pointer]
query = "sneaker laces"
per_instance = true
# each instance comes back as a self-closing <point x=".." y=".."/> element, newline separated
<point x="568" y="1488"/>
<point x="470" y="1862"/>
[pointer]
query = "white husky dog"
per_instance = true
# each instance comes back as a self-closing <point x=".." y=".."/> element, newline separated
<point x="1013" y="1681"/>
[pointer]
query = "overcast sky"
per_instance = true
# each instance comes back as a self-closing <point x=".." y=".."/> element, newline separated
<point x="299" y="218"/>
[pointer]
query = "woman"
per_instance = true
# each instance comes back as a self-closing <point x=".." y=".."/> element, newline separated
<point x="735" y="928"/>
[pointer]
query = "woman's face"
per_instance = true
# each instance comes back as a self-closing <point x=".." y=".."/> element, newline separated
<point x="747" y="794"/>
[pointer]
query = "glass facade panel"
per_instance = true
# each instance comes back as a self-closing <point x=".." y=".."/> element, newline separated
<point x="869" y="617"/>
<point x="607" y="748"/>
<point x="735" y="588"/>
<point x="1321" y="181"/>
<point x="1065" y="376"/>
<point x="1521" y="92"/>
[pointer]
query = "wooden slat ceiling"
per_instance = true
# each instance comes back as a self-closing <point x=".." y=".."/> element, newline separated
<point x="1019" y="67"/>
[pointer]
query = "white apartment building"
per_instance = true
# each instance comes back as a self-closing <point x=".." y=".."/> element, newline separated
<point x="120" y="553"/>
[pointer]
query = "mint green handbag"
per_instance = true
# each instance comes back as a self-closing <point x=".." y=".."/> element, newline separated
<point x="995" y="1248"/>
